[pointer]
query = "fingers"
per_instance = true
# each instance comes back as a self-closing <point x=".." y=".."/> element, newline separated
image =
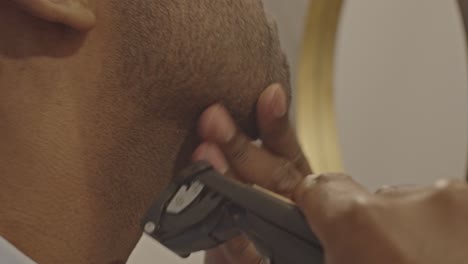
<point x="210" y="152"/>
<point x="329" y="201"/>
<point x="236" y="251"/>
<point x="276" y="131"/>
<point x="251" y="163"/>
<point x="215" y="256"/>
<point x="257" y="166"/>
<point x="281" y="165"/>
<point x="241" y="250"/>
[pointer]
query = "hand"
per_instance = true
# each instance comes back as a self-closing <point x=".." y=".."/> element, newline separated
<point x="247" y="161"/>
<point x="394" y="225"/>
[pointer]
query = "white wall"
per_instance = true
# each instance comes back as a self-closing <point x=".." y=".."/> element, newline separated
<point x="401" y="93"/>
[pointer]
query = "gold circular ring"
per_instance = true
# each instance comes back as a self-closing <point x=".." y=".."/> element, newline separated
<point x="316" y="122"/>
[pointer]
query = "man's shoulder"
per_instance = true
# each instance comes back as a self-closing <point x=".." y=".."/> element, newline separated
<point x="11" y="255"/>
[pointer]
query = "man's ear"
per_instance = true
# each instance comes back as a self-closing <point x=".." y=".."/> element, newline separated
<point x="77" y="14"/>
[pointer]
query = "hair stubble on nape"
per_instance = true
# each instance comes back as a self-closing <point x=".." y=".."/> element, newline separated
<point x="170" y="59"/>
<point x="168" y="45"/>
<point x="182" y="54"/>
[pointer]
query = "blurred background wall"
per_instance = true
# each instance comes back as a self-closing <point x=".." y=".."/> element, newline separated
<point x="401" y="93"/>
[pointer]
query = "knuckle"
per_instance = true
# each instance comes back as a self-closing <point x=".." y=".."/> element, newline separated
<point x="300" y="160"/>
<point x="239" y="246"/>
<point x="322" y="179"/>
<point x="238" y="150"/>
<point x="331" y="177"/>
<point x="450" y="191"/>
<point x="314" y="184"/>
<point x="443" y="184"/>
<point x="243" y="250"/>
<point x="285" y="178"/>
<point x="358" y="211"/>
<point x="343" y="206"/>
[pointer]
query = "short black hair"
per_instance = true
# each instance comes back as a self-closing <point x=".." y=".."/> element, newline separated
<point x="221" y="48"/>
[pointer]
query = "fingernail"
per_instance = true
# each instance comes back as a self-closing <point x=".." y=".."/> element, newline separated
<point x="216" y="158"/>
<point x="221" y="124"/>
<point x="212" y="154"/>
<point x="278" y="103"/>
<point x="200" y="153"/>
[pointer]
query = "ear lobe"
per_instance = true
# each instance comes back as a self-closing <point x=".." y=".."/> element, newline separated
<point x="76" y="14"/>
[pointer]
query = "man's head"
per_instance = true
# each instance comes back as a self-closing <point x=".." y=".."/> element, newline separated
<point x="101" y="97"/>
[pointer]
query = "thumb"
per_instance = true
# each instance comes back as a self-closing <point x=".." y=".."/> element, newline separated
<point x="329" y="202"/>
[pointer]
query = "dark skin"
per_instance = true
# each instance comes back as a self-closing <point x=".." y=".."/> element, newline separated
<point x="84" y="151"/>
<point x="410" y="225"/>
<point x="98" y="109"/>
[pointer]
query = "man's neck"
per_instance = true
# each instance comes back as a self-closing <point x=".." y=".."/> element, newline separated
<point x="62" y="226"/>
<point x="77" y="171"/>
<point x="69" y="209"/>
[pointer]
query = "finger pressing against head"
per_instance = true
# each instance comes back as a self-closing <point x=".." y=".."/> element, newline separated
<point x="276" y="131"/>
<point x="248" y="161"/>
<point x="208" y="151"/>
